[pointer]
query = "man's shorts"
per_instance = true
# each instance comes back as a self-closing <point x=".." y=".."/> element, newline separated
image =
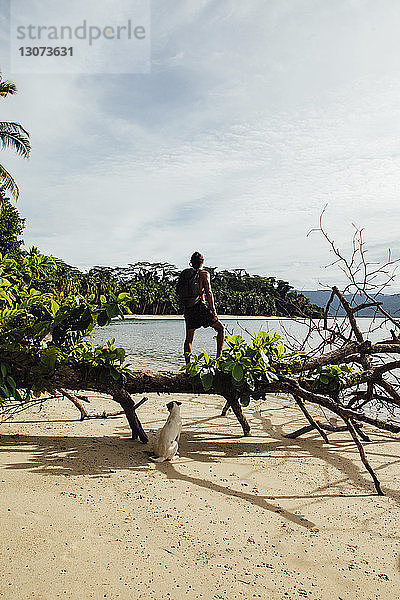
<point x="199" y="315"/>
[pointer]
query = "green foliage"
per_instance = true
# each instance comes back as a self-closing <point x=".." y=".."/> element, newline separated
<point x="7" y="382"/>
<point x="11" y="227"/>
<point x="244" y="367"/>
<point x="109" y="360"/>
<point x="331" y="377"/>
<point x="14" y="136"/>
<point x="241" y="366"/>
<point x="152" y="287"/>
<point x="42" y="328"/>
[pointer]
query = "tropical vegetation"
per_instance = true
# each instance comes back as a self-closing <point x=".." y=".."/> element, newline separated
<point x="15" y="137"/>
<point x="11" y="227"/>
<point x="44" y="328"/>
<point x="152" y="288"/>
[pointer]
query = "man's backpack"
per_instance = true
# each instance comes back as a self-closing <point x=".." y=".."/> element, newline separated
<point x="188" y="287"/>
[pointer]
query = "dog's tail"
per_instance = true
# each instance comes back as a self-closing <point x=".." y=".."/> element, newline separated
<point x="157" y="459"/>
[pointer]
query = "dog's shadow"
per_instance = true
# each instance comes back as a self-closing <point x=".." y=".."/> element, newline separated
<point x="169" y="469"/>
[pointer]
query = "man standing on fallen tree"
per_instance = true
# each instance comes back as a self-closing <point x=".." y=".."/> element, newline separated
<point x="192" y="287"/>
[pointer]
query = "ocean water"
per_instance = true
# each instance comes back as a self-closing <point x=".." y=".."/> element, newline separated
<point x="158" y="343"/>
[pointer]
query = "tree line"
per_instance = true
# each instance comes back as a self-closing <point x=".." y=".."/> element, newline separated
<point x="151" y="286"/>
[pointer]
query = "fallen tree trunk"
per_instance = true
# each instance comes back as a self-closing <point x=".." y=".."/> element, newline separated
<point x="77" y="378"/>
<point x="141" y="382"/>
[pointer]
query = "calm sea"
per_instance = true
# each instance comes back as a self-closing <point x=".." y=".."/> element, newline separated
<point x="158" y="343"/>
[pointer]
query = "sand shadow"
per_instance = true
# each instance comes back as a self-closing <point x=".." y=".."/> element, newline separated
<point x="313" y="445"/>
<point x="73" y="455"/>
<point x="202" y="441"/>
<point x="101" y="456"/>
<point x="169" y="470"/>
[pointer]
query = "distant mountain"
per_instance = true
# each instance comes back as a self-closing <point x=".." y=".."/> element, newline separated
<point x="391" y="303"/>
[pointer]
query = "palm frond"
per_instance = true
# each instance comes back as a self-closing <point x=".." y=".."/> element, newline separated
<point x="13" y="135"/>
<point x="6" y="88"/>
<point x="12" y="126"/>
<point x="8" y="183"/>
<point x="16" y="141"/>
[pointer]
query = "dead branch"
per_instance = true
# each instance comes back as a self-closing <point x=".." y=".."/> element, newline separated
<point x="76" y="403"/>
<point x="309" y="418"/>
<point x="363" y="457"/>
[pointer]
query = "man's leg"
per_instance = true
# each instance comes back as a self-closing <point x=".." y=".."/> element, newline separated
<point x="220" y="329"/>
<point x="187" y="348"/>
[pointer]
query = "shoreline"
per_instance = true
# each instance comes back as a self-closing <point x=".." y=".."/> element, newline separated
<point x="181" y="318"/>
<point x="148" y="317"/>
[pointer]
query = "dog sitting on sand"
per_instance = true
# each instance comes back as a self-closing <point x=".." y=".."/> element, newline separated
<point x="166" y="447"/>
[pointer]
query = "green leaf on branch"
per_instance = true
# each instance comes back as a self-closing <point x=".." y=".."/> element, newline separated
<point x="55" y="307"/>
<point x="102" y="319"/>
<point x="11" y="382"/>
<point x="112" y="310"/>
<point x="227" y="366"/>
<point x="49" y="357"/>
<point x="193" y="369"/>
<point x="206" y="356"/>
<point x="206" y="380"/>
<point x="123" y="296"/>
<point x="237" y="372"/>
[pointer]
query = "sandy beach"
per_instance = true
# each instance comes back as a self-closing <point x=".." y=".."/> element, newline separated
<point x="85" y="514"/>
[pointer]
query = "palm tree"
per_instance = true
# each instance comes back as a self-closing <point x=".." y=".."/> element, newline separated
<point x="14" y="136"/>
<point x="6" y="88"/>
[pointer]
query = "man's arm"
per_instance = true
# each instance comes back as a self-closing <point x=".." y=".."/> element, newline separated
<point x="207" y="290"/>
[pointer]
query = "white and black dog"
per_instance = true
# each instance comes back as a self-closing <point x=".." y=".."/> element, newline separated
<point x="166" y="446"/>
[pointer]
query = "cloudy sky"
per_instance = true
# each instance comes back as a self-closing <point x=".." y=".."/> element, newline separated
<point x="254" y="116"/>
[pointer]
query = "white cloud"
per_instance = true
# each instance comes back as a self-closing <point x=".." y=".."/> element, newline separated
<point x="255" y="116"/>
